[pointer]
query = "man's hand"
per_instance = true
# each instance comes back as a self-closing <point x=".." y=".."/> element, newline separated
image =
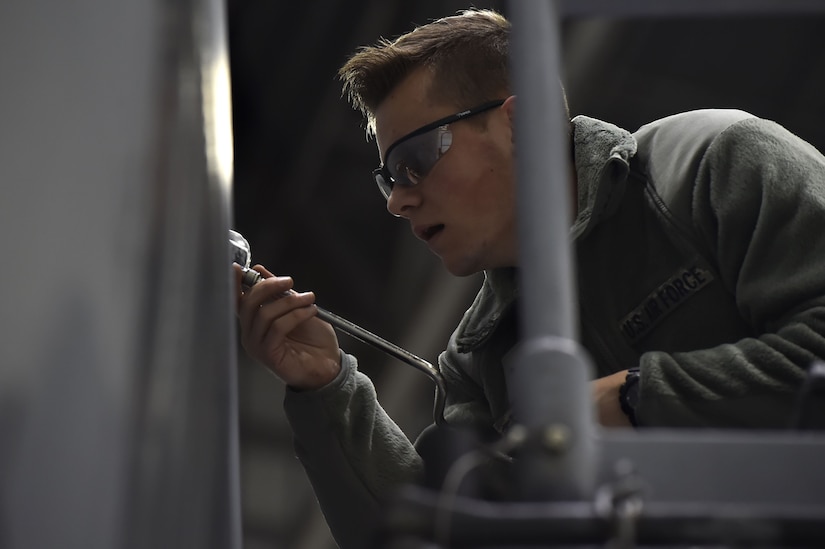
<point x="279" y="329"/>
<point x="606" y="396"/>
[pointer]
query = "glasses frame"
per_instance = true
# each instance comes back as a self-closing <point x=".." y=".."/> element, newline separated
<point x="382" y="176"/>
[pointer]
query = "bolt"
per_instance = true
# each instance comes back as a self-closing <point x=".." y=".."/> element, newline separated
<point x="556" y="438"/>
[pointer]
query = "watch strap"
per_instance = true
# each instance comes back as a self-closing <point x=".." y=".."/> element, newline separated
<point x="628" y="395"/>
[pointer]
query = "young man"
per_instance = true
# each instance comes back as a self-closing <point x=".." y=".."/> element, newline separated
<point x="700" y="245"/>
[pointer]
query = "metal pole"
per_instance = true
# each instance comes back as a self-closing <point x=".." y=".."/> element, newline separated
<point x="548" y="375"/>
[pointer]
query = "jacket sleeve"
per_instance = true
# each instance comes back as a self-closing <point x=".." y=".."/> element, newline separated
<point x="354" y="455"/>
<point x="467" y="404"/>
<point x="759" y="207"/>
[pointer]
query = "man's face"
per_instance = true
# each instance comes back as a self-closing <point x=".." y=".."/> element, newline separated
<point x="464" y="208"/>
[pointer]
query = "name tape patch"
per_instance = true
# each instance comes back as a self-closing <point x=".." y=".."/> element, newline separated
<point x="662" y="301"/>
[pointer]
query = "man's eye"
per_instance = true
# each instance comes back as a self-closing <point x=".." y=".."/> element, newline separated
<point x="412" y="175"/>
<point x="408" y="172"/>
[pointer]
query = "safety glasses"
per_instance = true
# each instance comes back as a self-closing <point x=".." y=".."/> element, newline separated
<point x="411" y="158"/>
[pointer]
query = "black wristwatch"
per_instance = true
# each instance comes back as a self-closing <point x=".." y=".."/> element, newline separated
<point x="629" y="395"/>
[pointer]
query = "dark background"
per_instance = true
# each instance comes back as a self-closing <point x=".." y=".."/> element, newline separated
<point x="305" y="200"/>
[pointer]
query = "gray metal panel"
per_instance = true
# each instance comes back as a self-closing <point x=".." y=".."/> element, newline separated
<point x="761" y="468"/>
<point x="117" y="388"/>
<point x="687" y="8"/>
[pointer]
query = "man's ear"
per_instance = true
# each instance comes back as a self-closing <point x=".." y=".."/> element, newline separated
<point x="509" y="107"/>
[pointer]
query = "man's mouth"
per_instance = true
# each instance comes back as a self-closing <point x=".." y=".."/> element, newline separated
<point x="428" y="233"/>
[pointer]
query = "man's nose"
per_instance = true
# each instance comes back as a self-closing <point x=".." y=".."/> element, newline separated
<point x="403" y="199"/>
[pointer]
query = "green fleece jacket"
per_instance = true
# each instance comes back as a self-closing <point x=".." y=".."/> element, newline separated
<point x="700" y="245"/>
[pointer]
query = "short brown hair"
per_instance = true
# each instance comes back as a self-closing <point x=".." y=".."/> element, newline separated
<point x="466" y="53"/>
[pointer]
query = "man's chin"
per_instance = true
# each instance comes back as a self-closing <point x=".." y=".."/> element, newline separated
<point x="460" y="269"/>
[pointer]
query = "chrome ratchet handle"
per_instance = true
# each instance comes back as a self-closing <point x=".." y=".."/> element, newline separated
<point x="250" y="277"/>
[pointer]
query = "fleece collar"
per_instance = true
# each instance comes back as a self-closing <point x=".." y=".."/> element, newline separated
<point x="602" y="154"/>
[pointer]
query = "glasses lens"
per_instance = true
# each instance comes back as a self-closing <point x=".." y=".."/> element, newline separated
<point x="412" y="159"/>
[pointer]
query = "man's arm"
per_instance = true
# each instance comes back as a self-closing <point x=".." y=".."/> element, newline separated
<point x="759" y="204"/>
<point x="355" y="456"/>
